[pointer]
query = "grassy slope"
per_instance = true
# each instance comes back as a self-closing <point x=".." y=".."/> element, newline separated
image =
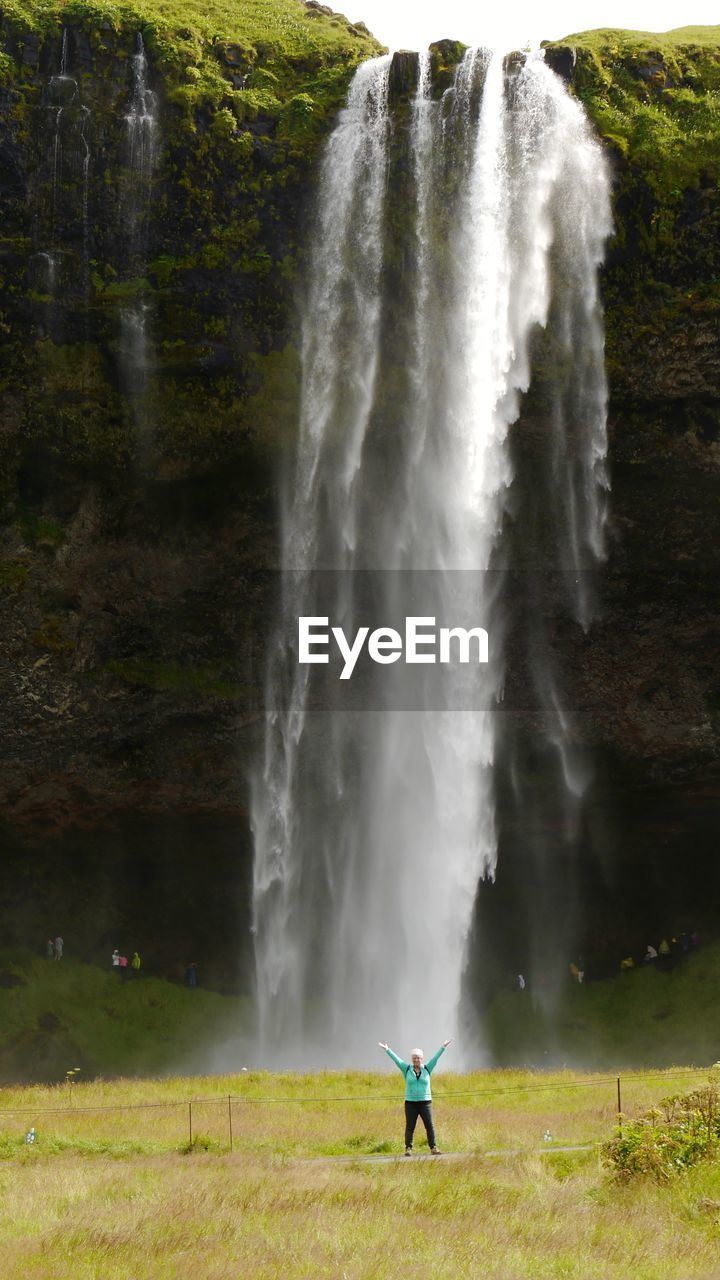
<point x="655" y="98"/>
<point x="603" y="37"/>
<point x="69" y="1014"/>
<point x="638" y="1018"/>
<point x="157" y="1216"/>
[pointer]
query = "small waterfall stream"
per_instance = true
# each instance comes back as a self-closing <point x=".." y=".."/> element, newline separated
<point x="374" y="828"/>
<point x="70" y="159"/>
<point x="142" y="147"/>
<point x="141" y="122"/>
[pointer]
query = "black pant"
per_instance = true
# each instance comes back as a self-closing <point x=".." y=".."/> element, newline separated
<point x="424" y="1111"/>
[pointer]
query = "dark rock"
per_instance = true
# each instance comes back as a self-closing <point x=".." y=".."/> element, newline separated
<point x="9" y="980"/>
<point x="235" y="55"/>
<point x="562" y="59"/>
<point x="84" y="57"/>
<point x="404" y="72"/>
<point x="444" y="58"/>
<point x="654" y="72"/>
<point x="49" y="1021"/>
<point x="31" y="51"/>
<point x="448" y="51"/>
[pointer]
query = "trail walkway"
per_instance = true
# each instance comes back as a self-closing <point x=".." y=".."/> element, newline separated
<point x="447" y="1155"/>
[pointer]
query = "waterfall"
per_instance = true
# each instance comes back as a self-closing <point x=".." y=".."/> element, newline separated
<point x="141" y="157"/>
<point x="141" y="126"/>
<point x="428" y="282"/>
<point x="70" y="157"/>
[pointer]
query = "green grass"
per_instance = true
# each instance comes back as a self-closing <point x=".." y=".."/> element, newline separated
<point x="637" y="1018"/>
<point x="327" y="1114"/>
<point x="608" y="37"/>
<point x="294" y="62"/>
<point x="66" y="1014"/>
<point x="656" y="99"/>
<point x="106" y="1195"/>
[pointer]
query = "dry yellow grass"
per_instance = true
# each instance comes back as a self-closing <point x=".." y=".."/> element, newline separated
<point x="273" y="1209"/>
<point x="218" y="1218"/>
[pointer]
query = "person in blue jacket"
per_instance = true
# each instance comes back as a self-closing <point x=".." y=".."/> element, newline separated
<point x="418" y="1093"/>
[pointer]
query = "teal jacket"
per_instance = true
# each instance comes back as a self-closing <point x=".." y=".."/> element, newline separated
<point x="417" y="1088"/>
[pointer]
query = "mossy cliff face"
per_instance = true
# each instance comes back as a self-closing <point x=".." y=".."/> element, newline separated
<point x="149" y="391"/>
<point x="148" y="384"/>
<point x="149" y="381"/>
<point x="650" y="669"/>
<point x="238" y="122"/>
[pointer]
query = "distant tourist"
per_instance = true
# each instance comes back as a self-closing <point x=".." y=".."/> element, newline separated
<point x="123" y="965"/>
<point x="59" y="944"/>
<point x="651" y="954"/>
<point x="627" y="963"/>
<point x="577" y="973"/>
<point x="136" y="964"/>
<point x="191" y="974"/>
<point x="664" y="948"/>
<point x="50" y="949"/>
<point x="520" y="982"/>
<point x="418" y="1094"/>
<point x="115" y="957"/>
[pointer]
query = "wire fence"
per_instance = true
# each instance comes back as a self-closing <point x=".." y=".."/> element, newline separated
<point x="215" y="1123"/>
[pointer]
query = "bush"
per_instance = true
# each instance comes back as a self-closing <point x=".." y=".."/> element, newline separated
<point x="683" y="1131"/>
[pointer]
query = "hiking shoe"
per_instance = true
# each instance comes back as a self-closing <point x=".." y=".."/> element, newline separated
<point x="408" y="1151"/>
<point x="435" y="1151"/>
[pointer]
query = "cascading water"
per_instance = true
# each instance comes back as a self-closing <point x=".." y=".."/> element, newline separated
<point x="141" y="158"/>
<point x="374" y="828"/>
<point x="70" y="160"/>
<point x="141" y="125"/>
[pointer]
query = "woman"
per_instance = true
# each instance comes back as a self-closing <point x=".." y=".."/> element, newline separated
<point x="418" y="1094"/>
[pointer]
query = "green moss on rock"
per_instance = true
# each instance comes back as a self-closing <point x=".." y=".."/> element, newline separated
<point x="655" y="102"/>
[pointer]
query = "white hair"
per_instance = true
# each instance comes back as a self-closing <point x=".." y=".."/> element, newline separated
<point x="417" y="1053"/>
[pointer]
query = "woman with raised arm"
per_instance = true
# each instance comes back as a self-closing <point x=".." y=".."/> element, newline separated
<point x="418" y="1093"/>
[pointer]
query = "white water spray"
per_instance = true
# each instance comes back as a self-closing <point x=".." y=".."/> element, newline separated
<point x="373" y="829"/>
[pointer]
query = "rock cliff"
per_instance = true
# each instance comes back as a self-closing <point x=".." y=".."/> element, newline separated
<point x="149" y="389"/>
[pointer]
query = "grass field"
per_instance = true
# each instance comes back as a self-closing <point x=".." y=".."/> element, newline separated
<point x="120" y="1194"/>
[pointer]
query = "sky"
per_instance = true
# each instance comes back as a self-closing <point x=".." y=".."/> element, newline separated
<point x="413" y="24"/>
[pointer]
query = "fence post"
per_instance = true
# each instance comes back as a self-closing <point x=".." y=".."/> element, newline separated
<point x="230" y="1121"/>
<point x="619" y="1105"/>
<point x="190" y="1123"/>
